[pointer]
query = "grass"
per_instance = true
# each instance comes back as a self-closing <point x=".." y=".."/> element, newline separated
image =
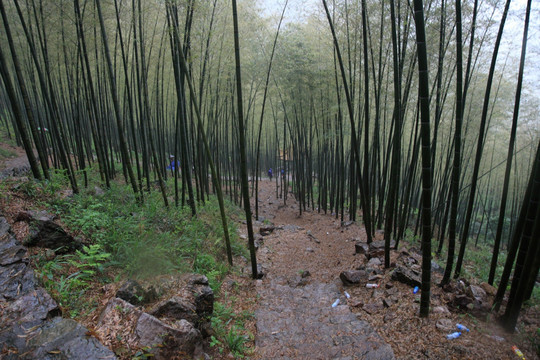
<point x="230" y="331"/>
<point x="7" y="154"/>
<point x="125" y="239"/>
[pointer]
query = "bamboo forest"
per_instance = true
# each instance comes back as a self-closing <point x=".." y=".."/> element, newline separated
<point x="288" y="179"/>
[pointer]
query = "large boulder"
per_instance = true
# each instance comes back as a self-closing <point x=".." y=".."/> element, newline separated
<point x="194" y="302"/>
<point x="66" y="339"/>
<point x="44" y="232"/>
<point x="177" y="339"/>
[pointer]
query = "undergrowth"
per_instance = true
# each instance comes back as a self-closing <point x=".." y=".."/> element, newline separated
<point x="126" y="239"/>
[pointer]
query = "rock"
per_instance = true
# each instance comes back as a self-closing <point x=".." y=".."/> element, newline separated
<point x="305" y="273"/>
<point x="5" y="228"/>
<point x="392" y="291"/>
<point x="490" y="290"/>
<point x="266" y="230"/>
<point x="261" y="271"/>
<point x="68" y="340"/>
<point x="445" y="325"/>
<point x="46" y="233"/>
<point x="436" y="268"/>
<point x="353" y="277"/>
<point x="387" y="302"/>
<point x="310" y="250"/>
<point x="375" y="277"/>
<point x="389" y="285"/>
<point x="98" y="191"/>
<point x="32" y="306"/>
<point x="389" y="317"/>
<point x="16" y="280"/>
<point x="204" y="301"/>
<point x="373" y="307"/>
<point x="312" y="237"/>
<point x="361" y="248"/>
<point x="441" y="310"/>
<point x="195" y="303"/>
<point x="132" y="292"/>
<point x="376" y="248"/>
<point x="374" y="261"/>
<point x="139" y="329"/>
<point x="477" y="293"/>
<point x="346" y="223"/>
<point x="32" y="216"/>
<point x="29" y="318"/>
<point x="406" y="276"/>
<point x="461" y="302"/>
<point x="297" y="281"/>
<point x="197" y="279"/>
<point x="11" y="251"/>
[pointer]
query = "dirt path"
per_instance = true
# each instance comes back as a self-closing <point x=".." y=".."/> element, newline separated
<point x="295" y="316"/>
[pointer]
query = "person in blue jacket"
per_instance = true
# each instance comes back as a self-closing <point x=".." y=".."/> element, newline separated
<point x="270" y="173"/>
<point x="174" y="163"/>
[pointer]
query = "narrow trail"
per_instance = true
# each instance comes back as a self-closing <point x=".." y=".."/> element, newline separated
<point x="295" y="317"/>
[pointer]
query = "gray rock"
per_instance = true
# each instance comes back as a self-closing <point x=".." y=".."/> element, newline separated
<point x="29" y="318"/>
<point x="5" y="228"/>
<point x="477" y="293"/>
<point x="165" y="340"/>
<point x="135" y="294"/>
<point x="373" y="308"/>
<point x="387" y="302"/>
<point x="406" y="276"/>
<point x="261" y="271"/>
<point x="46" y="233"/>
<point x="376" y="248"/>
<point x="361" y="248"/>
<point x="15" y="280"/>
<point x="436" y="268"/>
<point x="98" y="191"/>
<point x="70" y="340"/>
<point x="266" y="230"/>
<point x="353" y="277"/>
<point x="374" y="261"/>
<point x="389" y="317"/>
<point x="461" y="302"/>
<point x="197" y="279"/>
<point x="32" y="216"/>
<point x="313" y="237"/>
<point x="11" y="251"/>
<point x="445" y="325"/>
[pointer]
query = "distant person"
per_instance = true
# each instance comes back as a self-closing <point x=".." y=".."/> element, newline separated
<point x="270" y="173"/>
<point x="174" y="163"/>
